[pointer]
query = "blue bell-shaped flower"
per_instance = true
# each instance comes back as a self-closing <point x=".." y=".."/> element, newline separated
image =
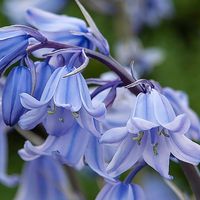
<point x="18" y="81"/>
<point x="121" y="191"/>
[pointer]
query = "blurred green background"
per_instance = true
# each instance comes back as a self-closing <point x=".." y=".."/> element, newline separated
<point x="178" y="37"/>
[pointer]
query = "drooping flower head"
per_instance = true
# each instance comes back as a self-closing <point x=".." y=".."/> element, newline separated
<point x="14" y="41"/>
<point x="43" y="178"/>
<point x="152" y="132"/>
<point x="70" y="93"/>
<point x="148" y="12"/>
<point x="180" y="103"/>
<point x="68" y="30"/>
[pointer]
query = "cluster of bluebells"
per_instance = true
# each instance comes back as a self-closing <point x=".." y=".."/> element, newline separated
<point x="112" y="128"/>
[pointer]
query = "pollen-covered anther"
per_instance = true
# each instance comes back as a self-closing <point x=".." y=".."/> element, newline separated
<point x="52" y="111"/>
<point x="163" y="132"/>
<point x="155" y="149"/>
<point x="75" y="114"/>
<point x="139" y="137"/>
<point x="61" y="119"/>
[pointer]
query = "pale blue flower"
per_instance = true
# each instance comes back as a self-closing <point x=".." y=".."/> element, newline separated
<point x="14" y="41"/>
<point x="152" y="132"/>
<point x="68" y="148"/>
<point x="68" y="30"/>
<point x="70" y="93"/>
<point x="121" y="191"/>
<point x="148" y="12"/>
<point x="143" y="59"/>
<point x="13" y="44"/>
<point x="118" y="114"/>
<point x="43" y="72"/>
<point x="42" y="179"/>
<point x="180" y="103"/>
<point x="155" y="188"/>
<point x="15" y="10"/>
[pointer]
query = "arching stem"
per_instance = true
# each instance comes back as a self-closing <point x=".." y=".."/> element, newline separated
<point x="108" y="61"/>
<point x="138" y="166"/>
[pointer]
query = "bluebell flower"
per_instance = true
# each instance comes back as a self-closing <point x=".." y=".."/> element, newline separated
<point x="118" y="114"/>
<point x="43" y="178"/>
<point x="69" y="148"/>
<point x="18" y="81"/>
<point x="144" y="59"/>
<point x="70" y="144"/>
<point x="152" y="132"/>
<point x="14" y="41"/>
<point x="155" y="188"/>
<point x="148" y="12"/>
<point x="121" y="191"/>
<point x="68" y="30"/>
<point x="180" y="103"/>
<point x="15" y="10"/>
<point x="13" y="46"/>
<point x="70" y="93"/>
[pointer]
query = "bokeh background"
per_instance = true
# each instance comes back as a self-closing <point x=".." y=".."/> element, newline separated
<point x="179" y="39"/>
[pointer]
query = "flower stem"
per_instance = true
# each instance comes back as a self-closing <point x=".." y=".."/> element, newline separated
<point x="108" y="61"/>
<point x="138" y="166"/>
<point x="74" y="182"/>
<point x="192" y="174"/>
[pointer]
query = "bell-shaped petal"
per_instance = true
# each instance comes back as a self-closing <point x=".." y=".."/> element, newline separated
<point x="58" y="122"/>
<point x="12" y="48"/>
<point x="96" y="112"/>
<point x="14" y="41"/>
<point x="114" y="135"/>
<point x="43" y="178"/>
<point x="68" y="148"/>
<point x="43" y="73"/>
<point x="127" y="154"/>
<point x="59" y="28"/>
<point x="95" y="158"/>
<point x="32" y="118"/>
<point x="121" y="191"/>
<point x="179" y="101"/>
<point x="184" y="149"/>
<point x="18" y="81"/>
<point x="158" y="157"/>
<point x="67" y="94"/>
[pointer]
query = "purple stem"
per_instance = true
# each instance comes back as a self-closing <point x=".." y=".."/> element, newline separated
<point x="139" y="165"/>
<point x="192" y="174"/>
<point x="104" y="87"/>
<point x="110" y="62"/>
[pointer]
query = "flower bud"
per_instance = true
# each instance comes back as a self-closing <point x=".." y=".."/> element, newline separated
<point x="18" y="81"/>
